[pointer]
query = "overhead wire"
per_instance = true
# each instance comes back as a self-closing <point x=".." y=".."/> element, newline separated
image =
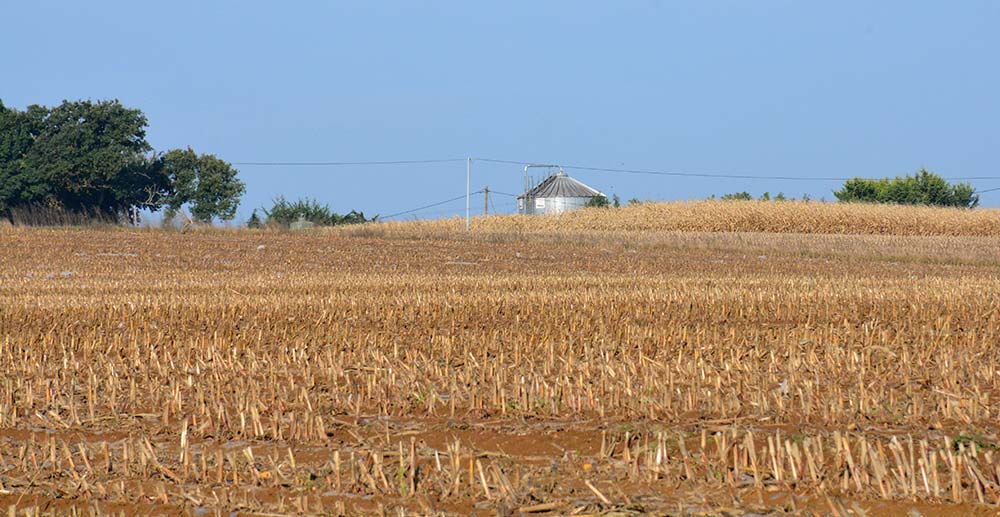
<point x="429" y="214"/>
<point x="504" y="193"/>
<point x="432" y="205"/>
<point x="579" y="167"/>
<point x="709" y="175"/>
<point x="337" y="164"/>
<point x="669" y="173"/>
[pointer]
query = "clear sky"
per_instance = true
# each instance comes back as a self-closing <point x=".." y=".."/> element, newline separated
<point x="785" y="88"/>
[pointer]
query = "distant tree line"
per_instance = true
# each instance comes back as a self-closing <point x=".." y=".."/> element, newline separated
<point x="283" y="213"/>
<point x="92" y="159"/>
<point x="614" y="202"/>
<point x="745" y="196"/>
<point x="922" y="188"/>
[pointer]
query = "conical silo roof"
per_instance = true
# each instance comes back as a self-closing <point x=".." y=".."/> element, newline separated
<point x="561" y="185"/>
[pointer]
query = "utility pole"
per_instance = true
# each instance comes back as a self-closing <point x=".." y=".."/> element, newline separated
<point x="468" y="180"/>
<point x="486" y="202"/>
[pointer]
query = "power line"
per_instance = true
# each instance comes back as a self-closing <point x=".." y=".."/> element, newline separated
<point x="512" y="162"/>
<point x="648" y="172"/>
<point x="709" y="175"/>
<point x="337" y="164"/>
<point x="432" y="205"/>
<point x="503" y="193"/>
<point x="702" y="175"/>
<point x="429" y="214"/>
<point x="673" y="173"/>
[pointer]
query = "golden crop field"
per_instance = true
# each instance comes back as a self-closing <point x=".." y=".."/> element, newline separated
<point x="522" y="368"/>
<point x="737" y="216"/>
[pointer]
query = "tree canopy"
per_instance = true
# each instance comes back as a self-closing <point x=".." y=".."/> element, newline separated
<point x="922" y="188"/>
<point x="205" y="183"/>
<point x="92" y="158"/>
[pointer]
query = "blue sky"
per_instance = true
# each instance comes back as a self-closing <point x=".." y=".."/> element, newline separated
<point x="789" y="88"/>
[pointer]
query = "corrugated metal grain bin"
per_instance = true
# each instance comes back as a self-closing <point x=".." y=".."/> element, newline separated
<point x="556" y="194"/>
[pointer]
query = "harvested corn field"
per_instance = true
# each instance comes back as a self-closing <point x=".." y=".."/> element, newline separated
<point x="345" y="372"/>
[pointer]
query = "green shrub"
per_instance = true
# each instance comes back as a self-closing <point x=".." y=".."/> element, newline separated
<point x="737" y="196"/>
<point x="254" y="221"/>
<point x="598" y="202"/>
<point x="284" y="213"/>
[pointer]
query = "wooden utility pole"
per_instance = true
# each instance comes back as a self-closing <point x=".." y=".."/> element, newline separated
<point x="486" y="197"/>
<point x="468" y="182"/>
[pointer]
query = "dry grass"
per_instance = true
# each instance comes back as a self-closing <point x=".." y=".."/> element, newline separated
<point x="319" y="372"/>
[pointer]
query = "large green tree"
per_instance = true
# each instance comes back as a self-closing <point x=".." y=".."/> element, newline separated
<point x="18" y="131"/>
<point x="206" y="184"/>
<point x="92" y="158"/>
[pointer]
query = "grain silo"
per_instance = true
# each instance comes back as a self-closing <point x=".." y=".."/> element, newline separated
<point x="556" y="194"/>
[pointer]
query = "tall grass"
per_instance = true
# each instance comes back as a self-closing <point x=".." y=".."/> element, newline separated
<point x="39" y="215"/>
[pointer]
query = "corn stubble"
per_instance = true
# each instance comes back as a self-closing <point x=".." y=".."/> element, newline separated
<point x="339" y="372"/>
